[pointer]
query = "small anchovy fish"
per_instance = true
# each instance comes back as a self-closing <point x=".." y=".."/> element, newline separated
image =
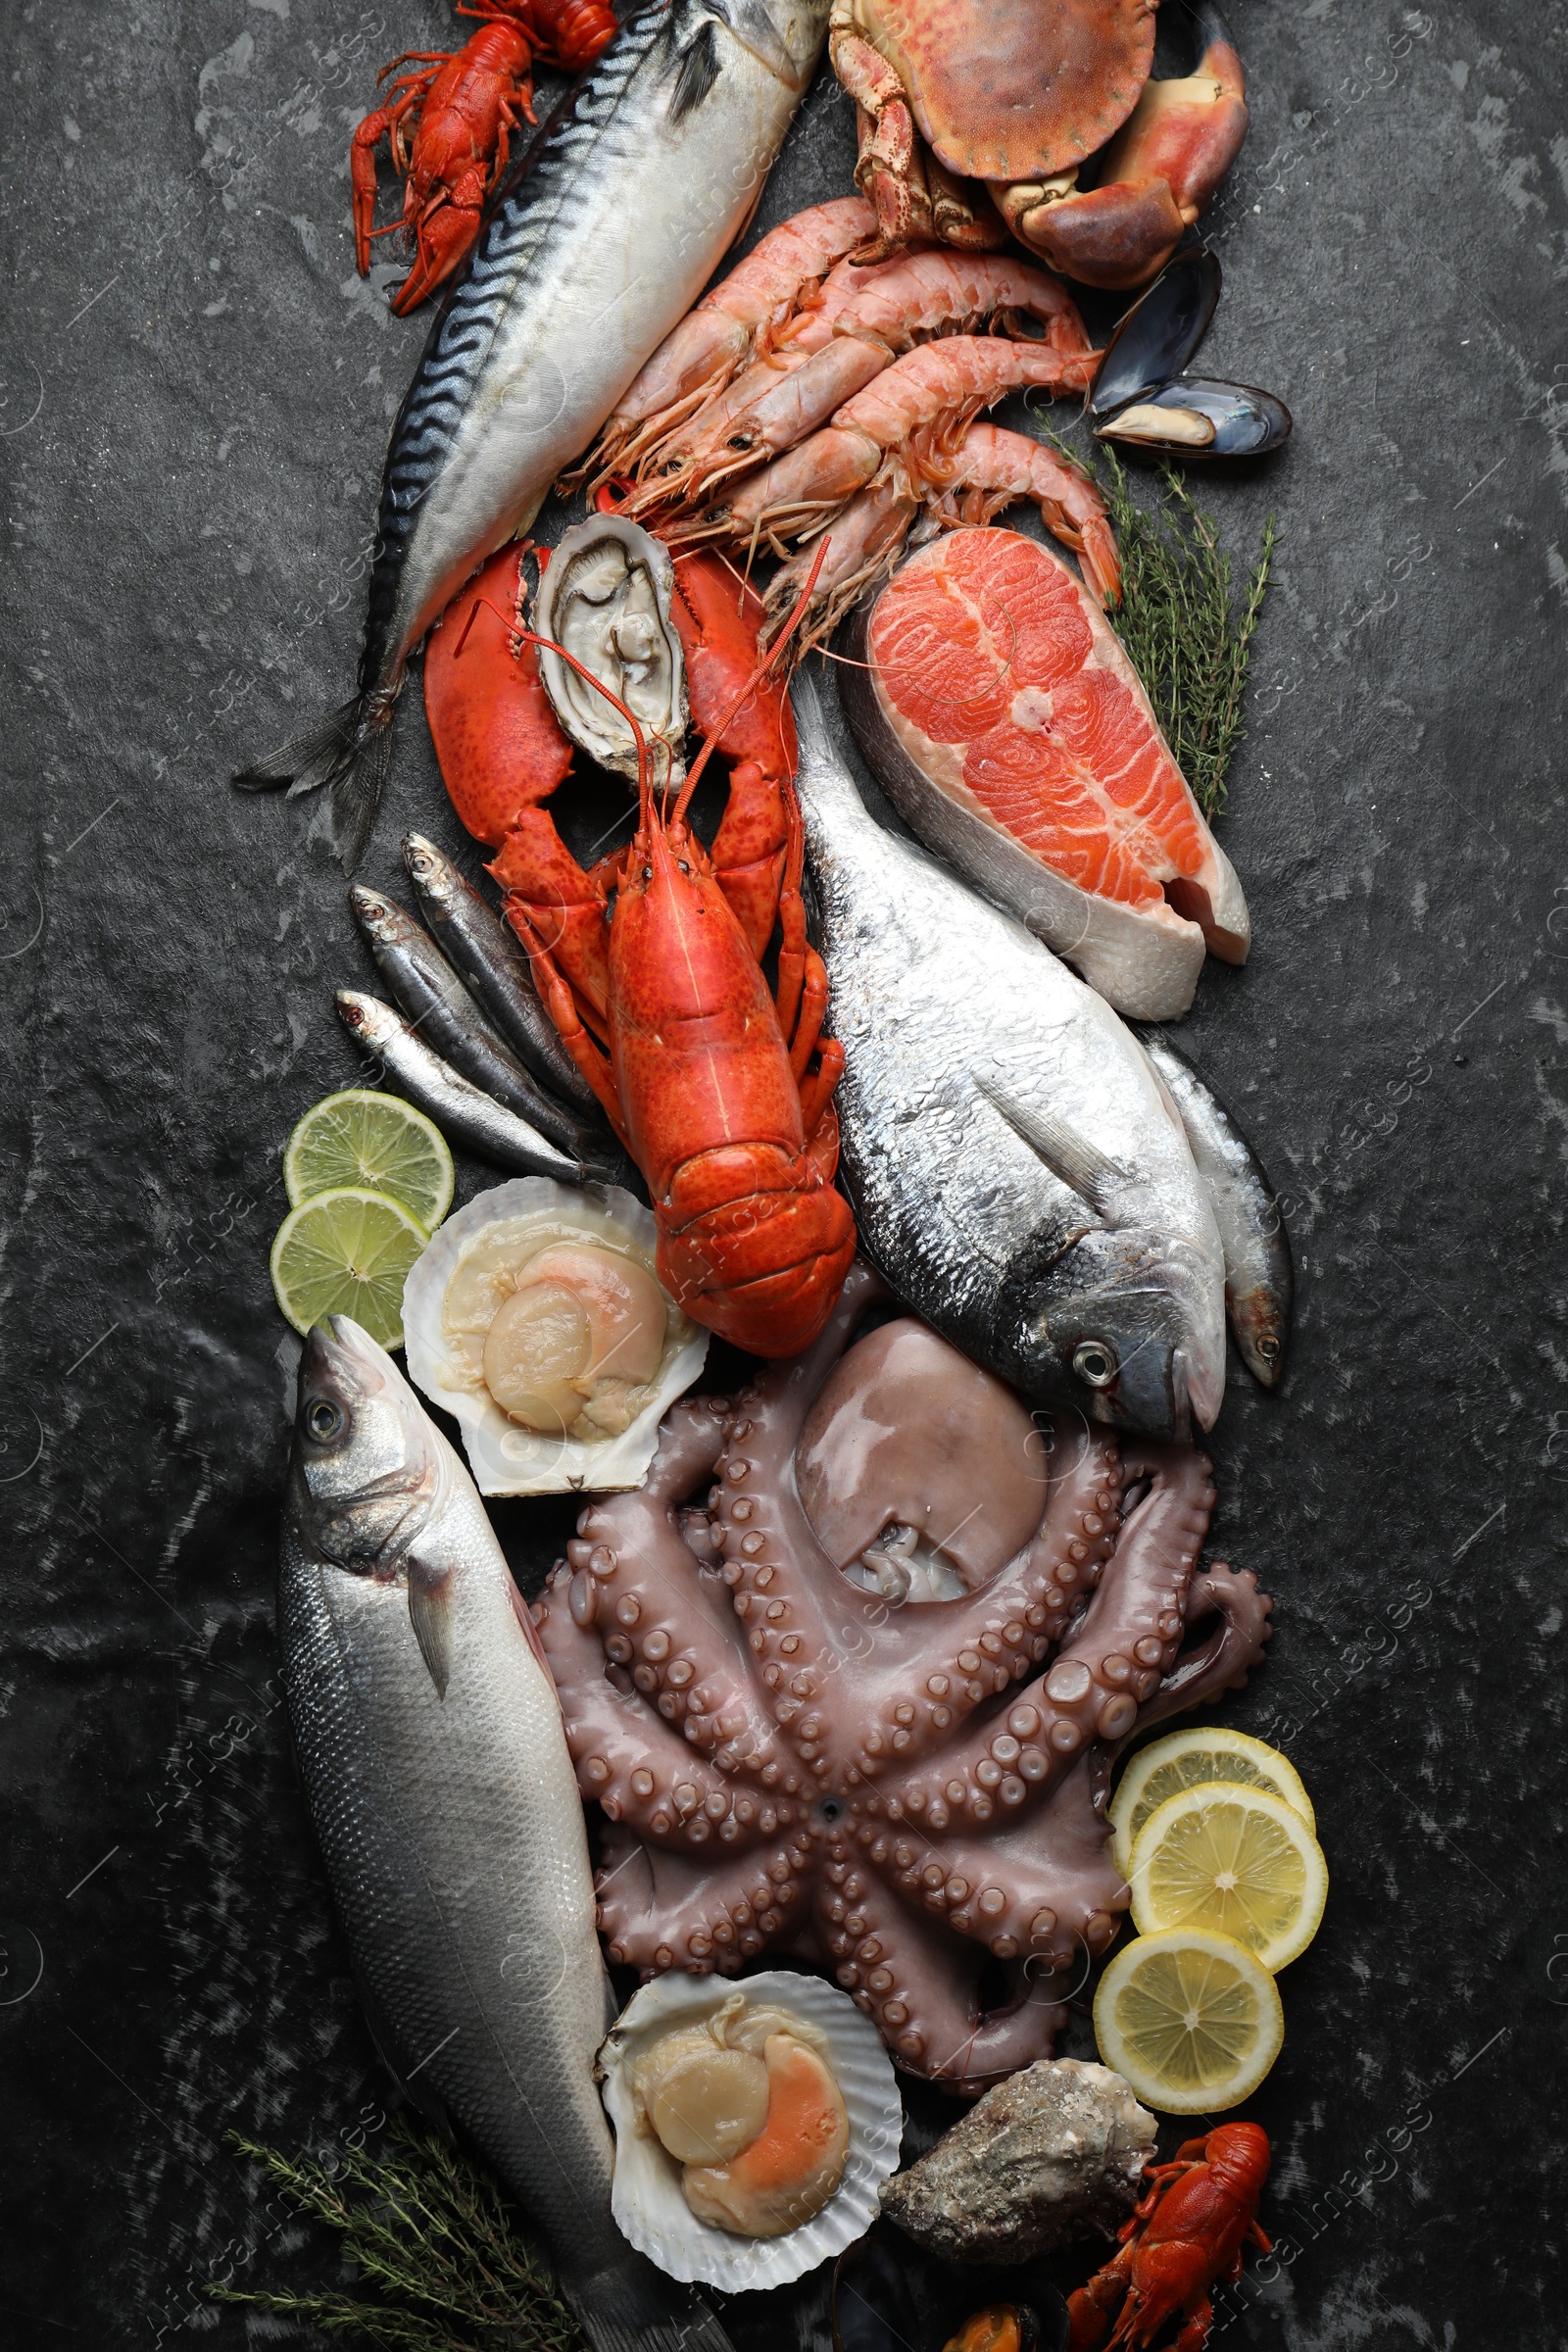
<point x="1259" y="1279"/>
<point x="463" y="1111"/>
<point x="483" y="953"/>
<point x="430" y="1744"/>
<point x="602" y="241"/>
<point x="451" y="1023"/>
<point x="1016" y="1170"/>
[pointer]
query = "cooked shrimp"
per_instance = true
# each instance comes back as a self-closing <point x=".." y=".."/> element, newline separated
<point x="909" y="418"/>
<point x="876" y="315"/>
<point x="993" y="468"/>
<point x="719" y="337"/>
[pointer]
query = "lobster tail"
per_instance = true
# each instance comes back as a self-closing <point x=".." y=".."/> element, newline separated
<point x="715" y="1230"/>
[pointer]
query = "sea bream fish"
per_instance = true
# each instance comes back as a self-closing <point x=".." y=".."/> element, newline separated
<point x="1017" y="1169"/>
<point x="434" y="1760"/>
<point x="598" y="246"/>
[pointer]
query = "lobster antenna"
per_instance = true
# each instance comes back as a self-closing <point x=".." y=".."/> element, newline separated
<point x="752" y="682"/>
<point x="532" y="637"/>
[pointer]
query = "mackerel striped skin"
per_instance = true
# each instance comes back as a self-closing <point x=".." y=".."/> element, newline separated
<point x="606" y="236"/>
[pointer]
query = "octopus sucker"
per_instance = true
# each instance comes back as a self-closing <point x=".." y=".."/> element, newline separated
<point x="915" y="1785"/>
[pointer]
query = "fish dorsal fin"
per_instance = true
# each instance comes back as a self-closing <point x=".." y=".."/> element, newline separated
<point x="1070" y="1157"/>
<point x="524" y="1616"/>
<point x="754" y="27"/>
<point x="430" y="1615"/>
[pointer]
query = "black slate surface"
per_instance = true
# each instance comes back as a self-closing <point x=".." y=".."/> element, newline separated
<point x="196" y="393"/>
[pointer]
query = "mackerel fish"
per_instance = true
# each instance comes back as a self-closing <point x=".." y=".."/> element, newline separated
<point x="603" y="238"/>
<point x="1017" y="1171"/>
<point x="435" y="1764"/>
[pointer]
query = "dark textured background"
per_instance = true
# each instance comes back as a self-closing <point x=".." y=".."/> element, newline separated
<point x="197" y="389"/>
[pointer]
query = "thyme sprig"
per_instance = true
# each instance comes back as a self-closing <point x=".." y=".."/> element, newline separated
<point x="1187" y="635"/>
<point x="433" y="2236"/>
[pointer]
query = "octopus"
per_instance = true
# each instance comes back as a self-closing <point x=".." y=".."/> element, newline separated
<point x="859" y="1705"/>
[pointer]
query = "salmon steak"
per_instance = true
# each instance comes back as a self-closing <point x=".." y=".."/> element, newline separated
<point x="1000" y="713"/>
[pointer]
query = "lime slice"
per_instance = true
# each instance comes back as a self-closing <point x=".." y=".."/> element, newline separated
<point x="346" y="1253"/>
<point x="372" y="1142"/>
<point x="1192" y="1760"/>
<point x="1237" y="1861"/>
<point x="1190" y="2019"/>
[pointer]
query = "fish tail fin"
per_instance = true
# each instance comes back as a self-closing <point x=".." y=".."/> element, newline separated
<point x="636" y="2309"/>
<point x="349" y="751"/>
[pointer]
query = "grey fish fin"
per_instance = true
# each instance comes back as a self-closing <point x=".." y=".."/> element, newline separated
<point x="755" y="30"/>
<point x="1070" y="1157"/>
<point x="700" y="68"/>
<point x="429" y="1591"/>
<point x="349" y="751"/>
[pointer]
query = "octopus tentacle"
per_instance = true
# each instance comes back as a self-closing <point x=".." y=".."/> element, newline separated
<point x="1224" y="1660"/>
<point x="1126" y="1641"/>
<point x="660" y="1910"/>
<point x="633" y="1574"/>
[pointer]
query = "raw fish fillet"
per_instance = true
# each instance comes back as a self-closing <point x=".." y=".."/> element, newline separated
<point x="1010" y="729"/>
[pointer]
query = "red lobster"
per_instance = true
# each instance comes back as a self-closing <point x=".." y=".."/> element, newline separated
<point x="1197" y="2215"/>
<point x="650" y="961"/>
<point x="464" y="108"/>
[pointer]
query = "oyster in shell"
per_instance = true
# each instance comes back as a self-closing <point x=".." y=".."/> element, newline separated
<point x="606" y="599"/>
<point x="754" y="2125"/>
<point x="535" y="1318"/>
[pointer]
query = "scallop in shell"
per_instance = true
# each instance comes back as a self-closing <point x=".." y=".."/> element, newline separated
<point x="606" y="600"/>
<point x="699" y="2073"/>
<point x="536" y="1318"/>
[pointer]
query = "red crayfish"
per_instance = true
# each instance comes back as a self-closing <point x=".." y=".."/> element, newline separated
<point x="460" y="109"/>
<point x="1189" y="2230"/>
<point x="650" y="962"/>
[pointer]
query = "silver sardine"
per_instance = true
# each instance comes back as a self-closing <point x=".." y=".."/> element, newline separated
<point x="465" y="1112"/>
<point x="607" y="234"/>
<point x="1015" y="1168"/>
<point x="430" y="1744"/>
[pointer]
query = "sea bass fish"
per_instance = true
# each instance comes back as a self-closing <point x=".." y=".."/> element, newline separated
<point x="430" y="1741"/>
<point x="1017" y="1169"/>
<point x="601" y="241"/>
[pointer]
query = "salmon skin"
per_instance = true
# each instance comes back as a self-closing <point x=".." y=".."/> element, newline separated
<point x="1018" y="1170"/>
<point x="600" y="242"/>
<point x="430" y="1743"/>
<point x="1004" y="721"/>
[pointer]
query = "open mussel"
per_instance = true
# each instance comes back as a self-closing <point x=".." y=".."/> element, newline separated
<point x="1159" y="335"/>
<point x="1140" y="396"/>
<point x="1195" y="417"/>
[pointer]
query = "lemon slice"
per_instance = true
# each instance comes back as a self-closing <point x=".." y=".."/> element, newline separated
<point x="1235" y="1860"/>
<point x="373" y="1142"/>
<point x="1190" y="2019"/>
<point x="1188" y="1761"/>
<point x="347" y="1253"/>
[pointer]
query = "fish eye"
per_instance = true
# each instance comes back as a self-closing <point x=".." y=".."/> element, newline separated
<point x="324" y="1420"/>
<point x="1095" y="1361"/>
<point x="1268" y="1349"/>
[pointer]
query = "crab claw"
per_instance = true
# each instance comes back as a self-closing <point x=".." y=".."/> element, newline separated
<point x="1156" y="177"/>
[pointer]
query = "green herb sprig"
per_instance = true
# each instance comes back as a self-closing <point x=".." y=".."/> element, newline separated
<point x="433" y="2236"/>
<point x="1184" y="632"/>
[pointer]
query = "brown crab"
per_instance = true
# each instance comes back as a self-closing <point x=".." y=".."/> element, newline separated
<point x="1010" y="99"/>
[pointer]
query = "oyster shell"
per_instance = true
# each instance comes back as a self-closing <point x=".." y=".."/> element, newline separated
<point x="647" y="2197"/>
<point x="535" y="1318"/>
<point x="605" y="597"/>
<point x="1052" y="2155"/>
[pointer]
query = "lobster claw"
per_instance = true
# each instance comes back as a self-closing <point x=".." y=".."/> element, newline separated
<point x="443" y="232"/>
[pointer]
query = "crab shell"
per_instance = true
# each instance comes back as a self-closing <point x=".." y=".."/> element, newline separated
<point x="645" y="2194"/>
<point x="1014" y="89"/>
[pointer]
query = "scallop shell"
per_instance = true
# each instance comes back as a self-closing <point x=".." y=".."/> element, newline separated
<point x="606" y="598"/>
<point x="646" y="2196"/>
<point x="505" y="1457"/>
